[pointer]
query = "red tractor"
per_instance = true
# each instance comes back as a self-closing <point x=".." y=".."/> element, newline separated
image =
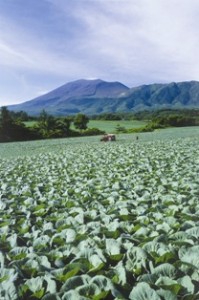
<point x="108" y="138"/>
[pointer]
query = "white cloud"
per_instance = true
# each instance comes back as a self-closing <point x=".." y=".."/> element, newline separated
<point x="131" y="41"/>
<point x="155" y="36"/>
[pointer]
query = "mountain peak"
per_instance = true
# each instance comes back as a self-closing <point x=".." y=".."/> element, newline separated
<point x="88" y="88"/>
<point x="94" y="96"/>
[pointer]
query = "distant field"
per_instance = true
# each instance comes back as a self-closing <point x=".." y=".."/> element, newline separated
<point x="108" y="126"/>
<point x="30" y="123"/>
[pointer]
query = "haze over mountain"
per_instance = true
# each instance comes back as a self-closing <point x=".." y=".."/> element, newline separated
<point x="98" y="96"/>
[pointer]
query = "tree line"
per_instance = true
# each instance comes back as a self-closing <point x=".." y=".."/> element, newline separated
<point x="173" y="120"/>
<point x="12" y="127"/>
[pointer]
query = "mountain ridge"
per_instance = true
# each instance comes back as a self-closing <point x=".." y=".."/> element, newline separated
<point x="99" y="96"/>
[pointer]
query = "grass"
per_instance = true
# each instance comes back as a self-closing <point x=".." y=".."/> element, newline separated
<point x="108" y="126"/>
<point x="30" y="123"/>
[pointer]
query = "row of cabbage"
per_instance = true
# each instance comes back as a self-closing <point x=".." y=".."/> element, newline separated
<point x="101" y="221"/>
<point x="32" y="148"/>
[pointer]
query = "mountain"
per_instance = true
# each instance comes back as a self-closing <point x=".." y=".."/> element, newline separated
<point x="98" y="96"/>
<point x="77" y="96"/>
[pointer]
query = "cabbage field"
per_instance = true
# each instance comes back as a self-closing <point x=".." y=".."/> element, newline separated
<point x="81" y="219"/>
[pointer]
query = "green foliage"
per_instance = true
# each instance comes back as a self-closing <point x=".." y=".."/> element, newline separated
<point x="91" y="220"/>
<point x="120" y="129"/>
<point x="162" y="119"/>
<point x="143" y="292"/>
<point x="92" y="131"/>
<point x="12" y="129"/>
<point x="175" y="121"/>
<point x="21" y="115"/>
<point x="47" y="126"/>
<point x="81" y="121"/>
<point x="63" y="125"/>
<point x="109" y="116"/>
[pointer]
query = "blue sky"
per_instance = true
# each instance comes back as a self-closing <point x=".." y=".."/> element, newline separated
<point x="47" y="43"/>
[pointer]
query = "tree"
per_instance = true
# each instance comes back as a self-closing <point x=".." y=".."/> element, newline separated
<point x="5" y="118"/>
<point x="46" y="124"/>
<point x="81" y="121"/>
<point x="20" y="115"/>
<point x="63" y="126"/>
<point x="6" y="125"/>
<point x="11" y="129"/>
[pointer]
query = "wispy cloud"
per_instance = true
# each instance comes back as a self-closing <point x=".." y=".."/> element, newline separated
<point x="54" y="41"/>
<point x="152" y="37"/>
